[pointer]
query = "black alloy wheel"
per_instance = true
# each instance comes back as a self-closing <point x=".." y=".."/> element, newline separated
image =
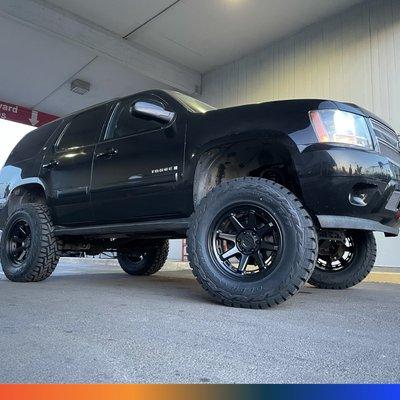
<point x="143" y="258"/>
<point x="246" y="242"/>
<point x="336" y="255"/>
<point x="344" y="259"/>
<point x="136" y="257"/>
<point x="18" y="242"/>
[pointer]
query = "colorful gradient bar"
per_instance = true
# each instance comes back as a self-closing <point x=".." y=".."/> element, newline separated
<point x="199" y="392"/>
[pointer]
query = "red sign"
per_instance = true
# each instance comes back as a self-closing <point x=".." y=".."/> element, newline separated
<point x="12" y="112"/>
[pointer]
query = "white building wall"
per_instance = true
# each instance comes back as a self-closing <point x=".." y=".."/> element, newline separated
<point x="352" y="57"/>
<point x="175" y="250"/>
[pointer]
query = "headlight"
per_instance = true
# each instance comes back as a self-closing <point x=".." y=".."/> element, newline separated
<point x="335" y="126"/>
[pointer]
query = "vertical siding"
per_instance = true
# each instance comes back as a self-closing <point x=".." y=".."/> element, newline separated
<point x="353" y="57"/>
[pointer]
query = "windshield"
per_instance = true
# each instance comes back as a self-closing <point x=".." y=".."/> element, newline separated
<point x="191" y="103"/>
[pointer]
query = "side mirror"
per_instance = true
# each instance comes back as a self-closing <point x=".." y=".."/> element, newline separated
<point x="153" y="111"/>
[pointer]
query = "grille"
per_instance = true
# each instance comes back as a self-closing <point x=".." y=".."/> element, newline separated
<point x="386" y="136"/>
<point x="394" y="202"/>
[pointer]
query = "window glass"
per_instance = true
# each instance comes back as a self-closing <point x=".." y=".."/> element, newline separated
<point x="123" y="123"/>
<point x="84" y="129"/>
<point x="31" y="144"/>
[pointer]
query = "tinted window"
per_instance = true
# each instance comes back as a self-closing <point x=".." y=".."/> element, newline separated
<point x="31" y="144"/>
<point x="125" y="124"/>
<point x="84" y="129"/>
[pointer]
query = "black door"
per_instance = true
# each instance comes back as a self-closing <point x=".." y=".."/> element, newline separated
<point x="138" y="165"/>
<point x="66" y="168"/>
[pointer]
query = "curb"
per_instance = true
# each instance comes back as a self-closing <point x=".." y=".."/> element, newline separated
<point x="383" y="277"/>
<point x="378" y="274"/>
<point x="170" y="265"/>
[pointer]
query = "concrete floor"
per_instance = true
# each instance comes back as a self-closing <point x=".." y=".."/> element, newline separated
<point x="93" y="323"/>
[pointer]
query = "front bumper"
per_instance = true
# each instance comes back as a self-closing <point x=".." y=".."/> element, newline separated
<point x="339" y="222"/>
<point x="329" y="175"/>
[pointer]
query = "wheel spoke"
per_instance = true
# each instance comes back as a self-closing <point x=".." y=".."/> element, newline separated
<point x="246" y="241"/>
<point x="269" y="246"/>
<point x="22" y="230"/>
<point x="329" y="263"/>
<point x="227" y="236"/>
<point x="252" y="220"/>
<point x="238" y="226"/>
<point x="265" y="229"/>
<point x="344" y="262"/>
<point x="22" y="255"/>
<point x="230" y="253"/>
<point x="16" y="252"/>
<point x="244" y="260"/>
<point x="259" y="260"/>
<point x="17" y="239"/>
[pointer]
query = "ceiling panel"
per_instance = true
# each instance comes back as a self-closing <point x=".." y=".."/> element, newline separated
<point x="33" y="64"/>
<point x="36" y="68"/>
<point x="108" y="80"/>
<point x="205" y="34"/>
<point x="118" y="16"/>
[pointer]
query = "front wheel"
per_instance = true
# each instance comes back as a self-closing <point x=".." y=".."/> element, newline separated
<point x="251" y="243"/>
<point x="144" y="259"/>
<point x="344" y="259"/>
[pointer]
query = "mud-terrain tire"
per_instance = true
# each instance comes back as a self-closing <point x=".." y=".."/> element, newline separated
<point x="145" y="260"/>
<point x="29" y="249"/>
<point x="289" y="225"/>
<point x="356" y="269"/>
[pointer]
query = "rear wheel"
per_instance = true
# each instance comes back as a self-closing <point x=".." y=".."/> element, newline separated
<point x="144" y="259"/>
<point x="251" y="243"/>
<point x="29" y="249"/>
<point x="344" y="259"/>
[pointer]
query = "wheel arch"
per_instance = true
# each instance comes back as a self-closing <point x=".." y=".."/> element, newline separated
<point x="272" y="157"/>
<point x="27" y="191"/>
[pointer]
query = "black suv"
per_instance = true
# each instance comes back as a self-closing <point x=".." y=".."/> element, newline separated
<point x="269" y="195"/>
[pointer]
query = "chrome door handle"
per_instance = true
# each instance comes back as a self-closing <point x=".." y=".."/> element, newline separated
<point x="51" y="164"/>
<point x="107" y="154"/>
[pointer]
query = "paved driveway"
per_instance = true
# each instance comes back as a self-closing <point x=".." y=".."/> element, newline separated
<point x="94" y="323"/>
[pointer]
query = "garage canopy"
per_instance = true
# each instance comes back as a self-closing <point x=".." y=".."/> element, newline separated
<point x="124" y="46"/>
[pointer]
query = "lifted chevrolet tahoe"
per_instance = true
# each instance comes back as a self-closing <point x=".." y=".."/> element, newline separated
<point x="270" y="196"/>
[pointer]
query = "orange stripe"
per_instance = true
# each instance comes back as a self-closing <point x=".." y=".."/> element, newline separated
<point x="103" y="392"/>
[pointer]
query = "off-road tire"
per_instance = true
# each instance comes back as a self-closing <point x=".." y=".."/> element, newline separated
<point x="45" y="248"/>
<point x="361" y="265"/>
<point x="154" y="258"/>
<point x="299" y="253"/>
